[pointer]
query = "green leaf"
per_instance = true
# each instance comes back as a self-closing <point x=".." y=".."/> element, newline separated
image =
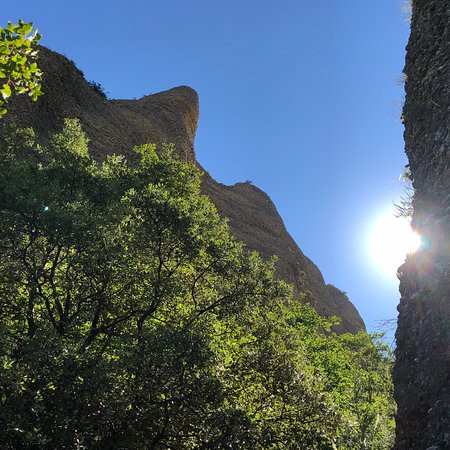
<point x="18" y="42"/>
<point x="25" y="28"/>
<point x="5" y="91"/>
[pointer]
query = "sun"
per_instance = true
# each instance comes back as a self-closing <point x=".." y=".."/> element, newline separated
<point x="391" y="239"/>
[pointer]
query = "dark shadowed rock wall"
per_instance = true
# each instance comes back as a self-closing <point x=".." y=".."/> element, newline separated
<point x="422" y="369"/>
<point x="115" y="126"/>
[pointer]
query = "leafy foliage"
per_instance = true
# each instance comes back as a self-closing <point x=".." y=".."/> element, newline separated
<point x="18" y="70"/>
<point x="130" y="318"/>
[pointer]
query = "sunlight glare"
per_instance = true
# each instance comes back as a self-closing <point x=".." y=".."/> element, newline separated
<point x="391" y="239"/>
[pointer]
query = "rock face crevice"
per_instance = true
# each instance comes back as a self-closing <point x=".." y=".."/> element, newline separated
<point x="115" y="126"/>
<point x="422" y="369"/>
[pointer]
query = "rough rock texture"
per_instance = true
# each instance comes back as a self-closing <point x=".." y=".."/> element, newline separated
<point x="115" y="126"/>
<point x="112" y="125"/>
<point x="422" y="369"/>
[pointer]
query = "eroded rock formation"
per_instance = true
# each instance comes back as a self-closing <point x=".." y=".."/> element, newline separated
<point x="422" y="369"/>
<point x="115" y="126"/>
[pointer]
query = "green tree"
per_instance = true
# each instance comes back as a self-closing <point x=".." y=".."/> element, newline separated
<point x="357" y="373"/>
<point x="18" y="68"/>
<point x="131" y="318"/>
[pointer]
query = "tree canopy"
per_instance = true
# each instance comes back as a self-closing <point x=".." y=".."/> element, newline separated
<point x="131" y="318"/>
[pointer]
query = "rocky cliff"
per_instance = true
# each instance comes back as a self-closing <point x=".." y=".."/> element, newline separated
<point x="422" y="369"/>
<point x="115" y="126"/>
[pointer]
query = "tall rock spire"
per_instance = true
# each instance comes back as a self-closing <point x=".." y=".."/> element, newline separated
<point x="422" y="369"/>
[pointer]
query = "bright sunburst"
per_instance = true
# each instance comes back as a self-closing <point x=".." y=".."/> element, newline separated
<point x="391" y="239"/>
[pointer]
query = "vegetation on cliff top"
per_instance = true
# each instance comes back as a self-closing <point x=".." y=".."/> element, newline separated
<point x="130" y="318"/>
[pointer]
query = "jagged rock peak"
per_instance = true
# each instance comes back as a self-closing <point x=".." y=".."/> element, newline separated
<point x="112" y="125"/>
<point x="168" y="110"/>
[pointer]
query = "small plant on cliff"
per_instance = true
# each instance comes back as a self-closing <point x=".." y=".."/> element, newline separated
<point x="18" y="70"/>
<point x="405" y="206"/>
<point x="407" y="10"/>
<point x="98" y="88"/>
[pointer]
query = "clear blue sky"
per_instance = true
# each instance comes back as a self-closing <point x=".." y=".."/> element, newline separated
<point x="298" y="96"/>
